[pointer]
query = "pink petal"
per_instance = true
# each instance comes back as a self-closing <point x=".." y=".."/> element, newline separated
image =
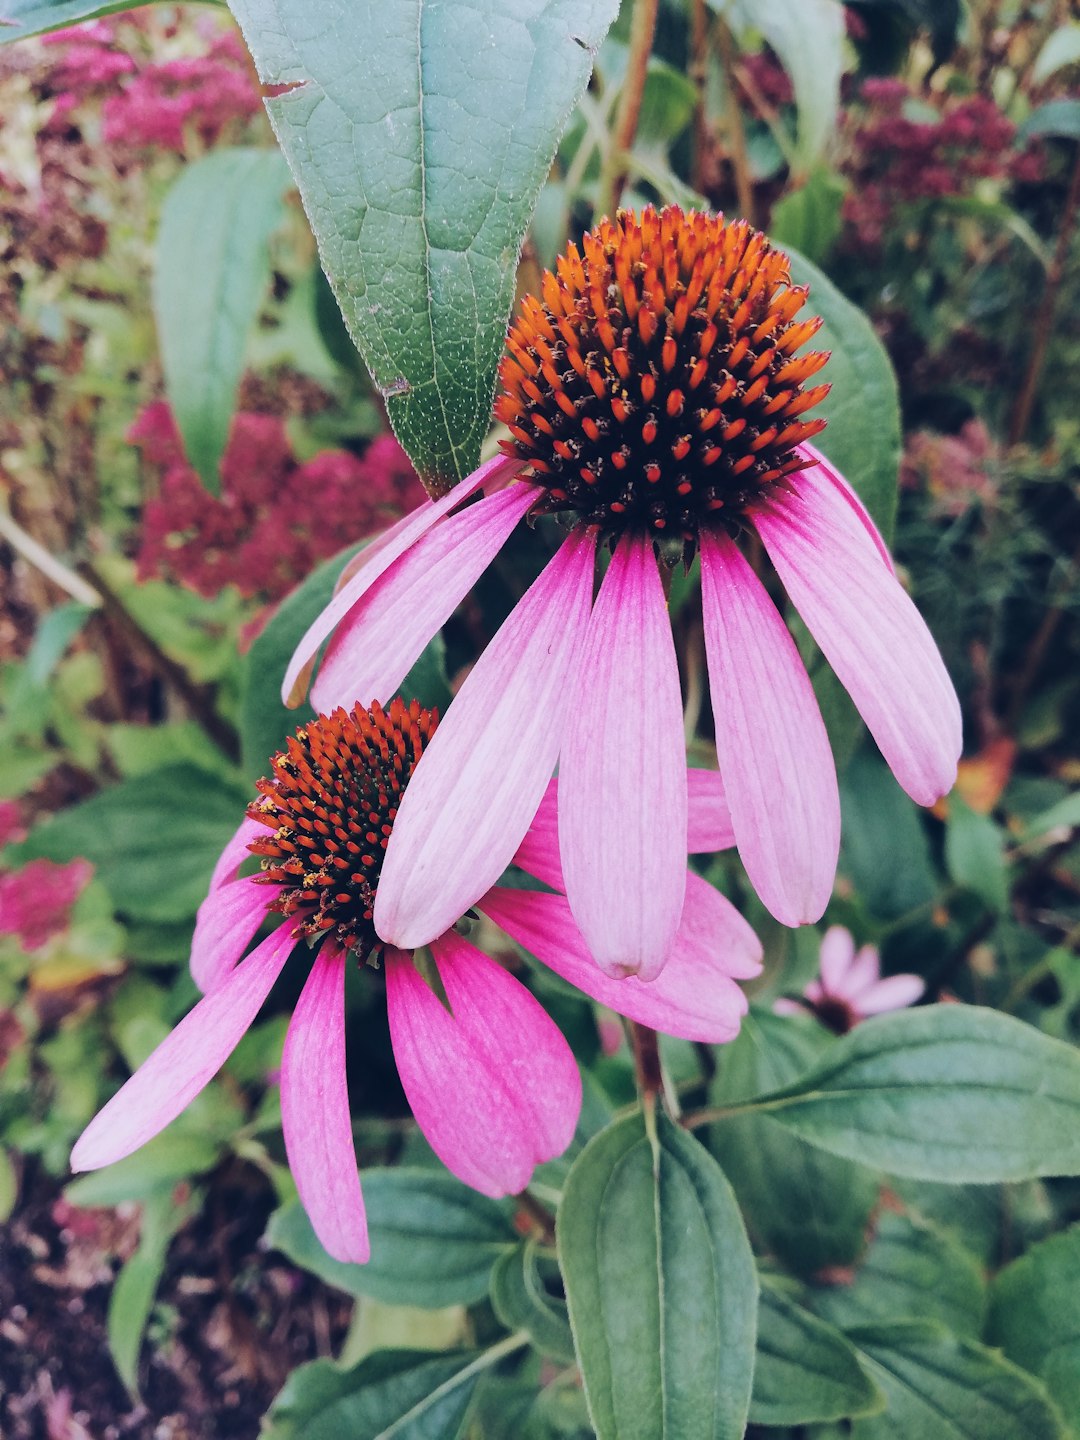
<point x="835" y="958"/>
<point x="892" y="993"/>
<point x="375" y="647"/>
<point x="692" y="997"/>
<point x="227" y="922"/>
<point x="186" y="1060"/>
<point x="864" y="974"/>
<point x="869" y="631"/>
<point x="538" y="853"/>
<point x="236" y="852"/>
<point x="481" y="779"/>
<point x="709" y="816"/>
<point x="493" y="1085"/>
<point x="375" y="561"/>
<point x="315" y="1112"/>
<point x="770" y="739"/>
<point x="622" y="773"/>
<point x="713" y="930"/>
<point x="826" y="471"/>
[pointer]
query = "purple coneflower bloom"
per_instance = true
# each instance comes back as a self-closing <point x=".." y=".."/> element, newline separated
<point x="489" y="1077"/>
<point x="849" y="987"/>
<point x="654" y="397"/>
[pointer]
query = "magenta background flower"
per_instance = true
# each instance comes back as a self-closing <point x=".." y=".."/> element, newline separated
<point x="491" y="1081"/>
<point x="849" y="987"/>
<point x="36" y="900"/>
<point x="669" y="415"/>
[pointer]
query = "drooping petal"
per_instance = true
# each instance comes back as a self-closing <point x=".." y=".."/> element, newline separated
<point x="493" y="1085"/>
<point x="382" y="637"/>
<point x="835" y="958"/>
<point x="709" y="825"/>
<point x="892" y="993"/>
<point x="225" y="925"/>
<point x="622" y="773"/>
<point x="828" y="472"/>
<point x="315" y="1113"/>
<point x="863" y="974"/>
<point x="692" y="996"/>
<point x="770" y="739"/>
<point x="376" y="561"/>
<point x="236" y="852"/>
<point x="869" y="630"/>
<point x="481" y="778"/>
<point x="538" y="853"/>
<point x="713" y="930"/>
<point x="186" y="1060"/>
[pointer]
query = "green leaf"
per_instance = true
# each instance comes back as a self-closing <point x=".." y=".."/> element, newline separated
<point x="808" y="1208"/>
<point x="806" y="1372"/>
<point x="809" y="218"/>
<point x="153" y="840"/>
<point x="153" y="1170"/>
<point x="975" y="854"/>
<point x="9" y="1186"/>
<point x="133" y="1292"/>
<point x="420" y="135"/>
<point x="433" y="1240"/>
<point x="940" y="1387"/>
<point x="211" y="273"/>
<point x="661" y="1285"/>
<point x="20" y="18"/>
<point x="862" y="438"/>
<point x="912" y="1271"/>
<point x="404" y="1394"/>
<point x="884" y="850"/>
<point x="1062" y="48"/>
<point x="522" y="1303"/>
<point x="946" y="1092"/>
<point x="1035" y="1315"/>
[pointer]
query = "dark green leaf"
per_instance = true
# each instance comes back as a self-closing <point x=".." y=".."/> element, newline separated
<point x="809" y="218"/>
<point x="946" y="1092"/>
<point x="806" y="1372"/>
<point x="20" y="18"/>
<point x="404" y="1394"/>
<point x="883" y="846"/>
<point x="522" y="1303"/>
<point x="975" y="854"/>
<point x="211" y="272"/>
<point x="1035" y="1315"/>
<point x="808" y="1208"/>
<point x="132" y="1296"/>
<point x="862" y="438"/>
<point x="939" y="1387"/>
<point x="433" y="1240"/>
<point x="153" y="840"/>
<point x="661" y="1286"/>
<point x="911" y="1272"/>
<point x="153" y="1170"/>
<point x="420" y="135"/>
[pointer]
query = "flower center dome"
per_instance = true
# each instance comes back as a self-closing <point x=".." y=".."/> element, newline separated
<point x="331" y="802"/>
<point x="655" y="385"/>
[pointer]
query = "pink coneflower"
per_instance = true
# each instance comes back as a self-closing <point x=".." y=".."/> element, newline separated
<point x="849" y="987"/>
<point x="655" y="399"/>
<point x="489" y="1077"/>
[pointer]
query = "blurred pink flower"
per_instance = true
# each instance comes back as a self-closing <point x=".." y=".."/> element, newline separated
<point x="604" y="436"/>
<point x="11" y="828"/>
<point x="36" y="901"/>
<point x="849" y="987"/>
<point x="956" y="469"/>
<point x="491" y="1081"/>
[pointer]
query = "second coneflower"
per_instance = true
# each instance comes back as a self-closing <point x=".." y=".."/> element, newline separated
<point x="656" y="399"/>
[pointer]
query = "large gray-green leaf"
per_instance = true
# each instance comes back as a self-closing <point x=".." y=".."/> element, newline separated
<point x="661" y="1286"/>
<point x="522" y="1302"/>
<point x="211" y="272"/>
<point x="862" y="438"/>
<point x="939" y="1387"/>
<point x="948" y="1092"/>
<point x="1035" y="1315"/>
<point x="420" y="132"/>
<point x="806" y="1372"/>
<point x="20" y="18"/>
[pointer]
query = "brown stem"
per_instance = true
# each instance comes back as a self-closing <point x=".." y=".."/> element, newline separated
<point x="613" y="176"/>
<point x="736" y="130"/>
<point x="650" y="1076"/>
<point x="199" y="699"/>
<point x="1044" y="315"/>
<point x="539" y="1214"/>
<point x="697" y="71"/>
<point x="1036" y="652"/>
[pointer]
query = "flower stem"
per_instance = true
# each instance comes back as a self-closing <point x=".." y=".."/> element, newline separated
<point x="613" y="173"/>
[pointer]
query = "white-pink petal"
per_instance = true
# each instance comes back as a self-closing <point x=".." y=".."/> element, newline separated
<point x="826" y="472"/>
<point x="709" y="825"/>
<point x="835" y="958"/>
<point x="482" y="776"/>
<point x="892" y="993"/>
<point x="869" y="631"/>
<point x="315" y="1115"/>
<point x="226" y="923"/>
<point x="492" y="1083"/>
<point x="376" y="560"/>
<point x="236" y="852"/>
<point x="771" y="742"/>
<point x="622" y="773"/>
<point x="693" y="996"/>
<point x="863" y="974"/>
<point x="385" y="632"/>
<point x="186" y="1060"/>
<point x="714" y="932"/>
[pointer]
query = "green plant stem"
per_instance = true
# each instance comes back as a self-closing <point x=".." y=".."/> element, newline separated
<point x="613" y="172"/>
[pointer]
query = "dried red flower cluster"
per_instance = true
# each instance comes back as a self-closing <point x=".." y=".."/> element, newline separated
<point x="275" y="518"/>
<point x="894" y="160"/>
<point x="36" y="901"/>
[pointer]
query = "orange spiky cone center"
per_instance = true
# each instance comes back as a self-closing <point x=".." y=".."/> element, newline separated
<point x="330" y="802"/>
<point x="655" y="386"/>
